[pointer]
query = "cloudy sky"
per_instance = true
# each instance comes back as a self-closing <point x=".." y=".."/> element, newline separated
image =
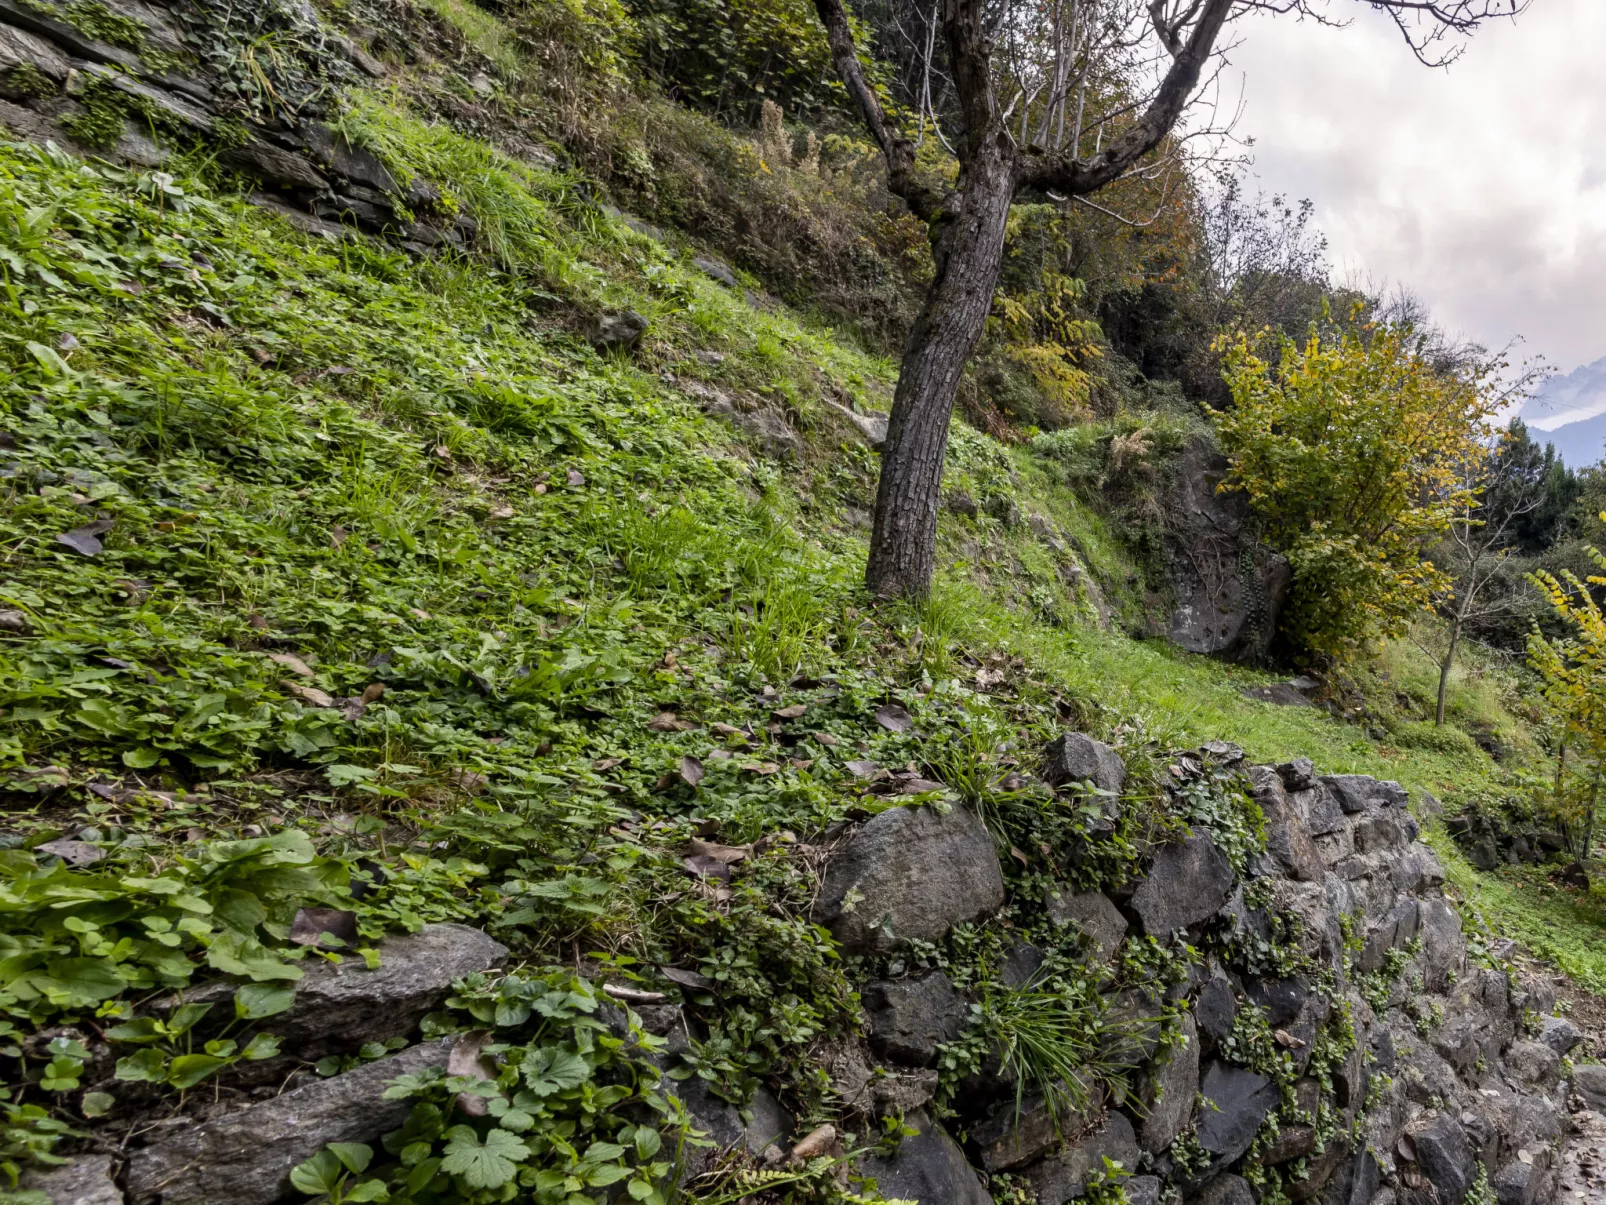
<point x="1481" y="187"/>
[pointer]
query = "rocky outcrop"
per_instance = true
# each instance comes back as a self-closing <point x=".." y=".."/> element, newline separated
<point x="1187" y="883"/>
<point x="910" y="873"/>
<point x="245" y="1157"/>
<point x="341" y="1005"/>
<point x="1228" y="585"/>
<point x="910" y="1018"/>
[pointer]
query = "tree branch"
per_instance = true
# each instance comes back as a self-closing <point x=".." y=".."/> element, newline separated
<point x="902" y="177"/>
<point x="1071" y="176"/>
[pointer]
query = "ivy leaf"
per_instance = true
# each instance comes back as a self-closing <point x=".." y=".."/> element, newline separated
<point x="488" y="1164"/>
<point x="253" y="1001"/>
<point x="552" y="1069"/>
<point x="190" y="1069"/>
<point x="318" y="1175"/>
<point x="143" y="1066"/>
<point x="355" y="1156"/>
<point x="84" y="981"/>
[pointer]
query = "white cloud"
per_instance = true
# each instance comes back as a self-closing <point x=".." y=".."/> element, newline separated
<point x="1481" y="187"/>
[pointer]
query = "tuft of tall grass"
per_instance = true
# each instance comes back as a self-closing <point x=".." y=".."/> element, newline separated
<point x="1061" y="1046"/>
<point x="512" y="202"/>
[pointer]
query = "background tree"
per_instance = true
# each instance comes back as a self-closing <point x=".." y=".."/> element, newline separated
<point x="1350" y="449"/>
<point x="1060" y="99"/>
<point x="1573" y="670"/>
<point x="1500" y="488"/>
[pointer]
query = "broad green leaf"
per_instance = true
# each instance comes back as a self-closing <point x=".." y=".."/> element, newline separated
<point x="138" y="1030"/>
<point x="253" y="1001"/>
<point x="185" y="1018"/>
<point x="354" y="1156"/>
<point x="261" y="1046"/>
<point x="190" y="1069"/>
<point x="488" y="1164"/>
<point x="148" y="1065"/>
<point x="320" y="1174"/>
<point x="97" y="1104"/>
<point x="550" y="1069"/>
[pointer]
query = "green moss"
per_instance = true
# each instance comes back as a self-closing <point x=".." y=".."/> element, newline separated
<point x="96" y="20"/>
<point x="103" y="118"/>
<point x="27" y="80"/>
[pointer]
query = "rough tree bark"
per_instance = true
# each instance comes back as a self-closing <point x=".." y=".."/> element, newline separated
<point x="967" y="227"/>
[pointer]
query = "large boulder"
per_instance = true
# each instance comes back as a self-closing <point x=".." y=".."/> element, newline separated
<point x="1064" y="1176"/>
<point x="245" y="1157"/>
<point x="910" y="1018"/>
<point x="1235" y="1102"/>
<point x="1560" y="1034"/>
<point x="1289" y="846"/>
<point x="340" y="1006"/>
<point x="1188" y="882"/>
<point x="1224" y="1190"/>
<point x="765" y="1123"/>
<point x="928" y="1168"/>
<point x="910" y="873"/>
<point x="1077" y="757"/>
<point x="1092" y="913"/>
<point x="85" y="1181"/>
<point x="1013" y="1137"/>
<point x="1228" y="585"/>
<point x="1215" y="1008"/>
<point x="1445" y="1157"/>
<point x="1362" y="792"/>
<point x="1590" y="1083"/>
<point x="1169" y="1090"/>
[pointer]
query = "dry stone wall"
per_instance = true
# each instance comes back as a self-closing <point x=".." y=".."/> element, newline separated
<point x="1409" y="1066"/>
<point x="1337" y="1038"/>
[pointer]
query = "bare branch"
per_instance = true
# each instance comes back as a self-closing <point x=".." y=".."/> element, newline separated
<point x="903" y="178"/>
<point x="1075" y="177"/>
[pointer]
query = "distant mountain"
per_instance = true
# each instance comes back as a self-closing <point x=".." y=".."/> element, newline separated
<point x="1570" y="413"/>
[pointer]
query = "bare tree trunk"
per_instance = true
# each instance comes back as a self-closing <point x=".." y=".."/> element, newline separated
<point x="969" y="251"/>
<point x="1444" y="670"/>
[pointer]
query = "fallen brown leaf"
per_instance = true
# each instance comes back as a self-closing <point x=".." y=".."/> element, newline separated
<point x="74" y="853"/>
<point x="819" y="1141"/>
<point x="704" y="867"/>
<point x="689" y="979"/>
<point x="1288" y="1040"/>
<point x="576" y="477"/>
<point x="469" y="780"/>
<point x="467" y="1059"/>
<point x="862" y="768"/>
<point x="292" y="663"/>
<point x="728" y="854"/>
<point x="664" y="721"/>
<point x="309" y="694"/>
<point x="825" y="738"/>
<point x="85" y="540"/>
<point x="790" y="713"/>
<point x="691" y="771"/>
<point x="607" y="763"/>
<point x="918" y="786"/>
<point x="894" y="717"/>
<point x="502" y="512"/>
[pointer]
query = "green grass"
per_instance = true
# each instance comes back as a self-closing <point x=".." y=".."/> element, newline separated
<point x="1558" y="924"/>
<point x="399" y="565"/>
